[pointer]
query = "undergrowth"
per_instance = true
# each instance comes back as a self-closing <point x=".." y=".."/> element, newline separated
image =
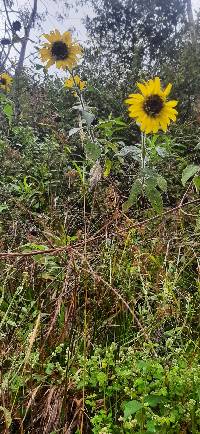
<point x="99" y="308"/>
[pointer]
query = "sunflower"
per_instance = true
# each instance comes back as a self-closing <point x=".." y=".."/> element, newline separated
<point x="75" y="81"/>
<point x="60" y="49"/>
<point x="5" y="82"/>
<point x="150" y="108"/>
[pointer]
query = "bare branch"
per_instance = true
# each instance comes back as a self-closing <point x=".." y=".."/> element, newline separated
<point x="26" y="38"/>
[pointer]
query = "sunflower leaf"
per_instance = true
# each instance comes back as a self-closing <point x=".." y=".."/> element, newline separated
<point x="154" y="197"/>
<point x="107" y="168"/>
<point x="136" y="190"/>
<point x="93" y="151"/>
<point x="133" y="150"/>
<point x="196" y="182"/>
<point x="162" y="183"/>
<point x="188" y="172"/>
<point x="8" y="111"/>
<point x="73" y="131"/>
<point x="88" y="117"/>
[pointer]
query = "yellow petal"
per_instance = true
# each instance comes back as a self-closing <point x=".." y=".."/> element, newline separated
<point x="133" y="102"/>
<point x="49" y="63"/>
<point x="171" y="103"/>
<point x="142" y="88"/>
<point x="171" y="115"/>
<point x="150" y="87"/>
<point x="136" y="96"/>
<point x="68" y="83"/>
<point x="163" y="123"/>
<point x="67" y="38"/>
<point x="167" y="90"/>
<point x="156" y="85"/>
<point x="52" y="36"/>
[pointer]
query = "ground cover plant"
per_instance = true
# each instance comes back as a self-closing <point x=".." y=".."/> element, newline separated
<point x="99" y="225"/>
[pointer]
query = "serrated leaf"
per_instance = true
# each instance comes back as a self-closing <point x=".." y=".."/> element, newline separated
<point x="154" y="197"/>
<point x="136" y="190"/>
<point x="93" y="151"/>
<point x="188" y="172"/>
<point x="131" y="407"/>
<point x="107" y="168"/>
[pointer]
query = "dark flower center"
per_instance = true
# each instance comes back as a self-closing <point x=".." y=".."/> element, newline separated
<point x="3" y="81"/>
<point x="60" y="50"/>
<point x="153" y="105"/>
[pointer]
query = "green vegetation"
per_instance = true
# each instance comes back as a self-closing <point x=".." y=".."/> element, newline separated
<point x="99" y="248"/>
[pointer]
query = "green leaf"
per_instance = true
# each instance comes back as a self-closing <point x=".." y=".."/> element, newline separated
<point x="131" y="407"/>
<point x="7" y="416"/>
<point x="73" y="131"/>
<point x="153" y="400"/>
<point x="197" y="226"/>
<point x="3" y="207"/>
<point x="161" y="151"/>
<point x="136" y="190"/>
<point x="188" y="172"/>
<point x="133" y="150"/>
<point x="196" y="182"/>
<point x="38" y="66"/>
<point x="151" y="426"/>
<point x="89" y="117"/>
<point x="162" y="183"/>
<point x="8" y="111"/>
<point x="93" y="151"/>
<point x="107" y="169"/>
<point x="154" y="197"/>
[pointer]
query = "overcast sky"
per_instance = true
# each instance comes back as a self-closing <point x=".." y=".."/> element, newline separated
<point x="52" y="10"/>
<point x="74" y="18"/>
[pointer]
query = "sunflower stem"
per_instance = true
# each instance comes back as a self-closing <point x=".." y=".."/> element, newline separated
<point x="143" y="154"/>
<point x="80" y="96"/>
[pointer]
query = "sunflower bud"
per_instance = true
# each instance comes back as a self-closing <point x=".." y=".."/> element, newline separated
<point x="16" y="26"/>
<point x="5" y="41"/>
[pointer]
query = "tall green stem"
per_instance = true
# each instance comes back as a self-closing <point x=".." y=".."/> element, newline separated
<point x="78" y="91"/>
<point x="143" y="154"/>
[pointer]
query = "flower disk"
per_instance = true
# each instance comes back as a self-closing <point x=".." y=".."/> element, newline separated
<point x="60" y="50"/>
<point x="150" y="108"/>
<point x="5" y="82"/>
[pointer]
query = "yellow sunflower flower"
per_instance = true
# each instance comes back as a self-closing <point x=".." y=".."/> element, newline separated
<point x="150" y="108"/>
<point x="76" y="81"/>
<point x="5" y="81"/>
<point x="60" y="50"/>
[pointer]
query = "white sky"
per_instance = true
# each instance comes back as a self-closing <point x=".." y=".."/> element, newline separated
<point x="74" y="18"/>
<point x="72" y="21"/>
